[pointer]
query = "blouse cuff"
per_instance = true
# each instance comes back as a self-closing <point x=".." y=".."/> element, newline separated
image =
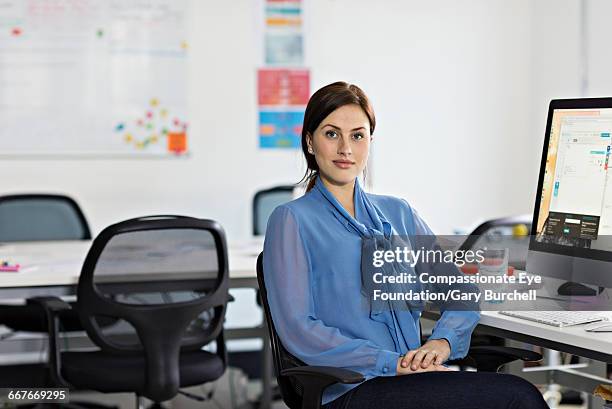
<point x="449" y="335"/>
<point x="386" y="363"/>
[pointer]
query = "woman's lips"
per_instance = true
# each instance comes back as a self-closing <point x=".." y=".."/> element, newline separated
<point x="343" y="164"/>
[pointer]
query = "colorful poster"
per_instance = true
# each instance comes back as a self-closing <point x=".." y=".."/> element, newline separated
<point x="280" y="129"/>
<point x="283" y="86"/>
<point x="284" y="41"/>
<point x="282" y="97"/>
<point x="284" y="49"/>
<point x="283" y="92"/>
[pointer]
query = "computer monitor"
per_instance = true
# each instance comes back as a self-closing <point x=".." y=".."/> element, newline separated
<point x="572" y="218"/>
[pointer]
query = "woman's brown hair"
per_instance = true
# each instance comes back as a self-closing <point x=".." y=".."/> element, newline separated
<point x="322" y="103"/>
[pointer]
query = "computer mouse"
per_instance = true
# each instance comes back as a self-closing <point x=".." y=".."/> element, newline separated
<point x="571" y="288"/>
<point x="599" y="327"/>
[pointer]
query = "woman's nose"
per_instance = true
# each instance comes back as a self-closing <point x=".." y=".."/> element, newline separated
<point x="344" y="147"/>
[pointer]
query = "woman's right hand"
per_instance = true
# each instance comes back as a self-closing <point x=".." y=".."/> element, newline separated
<point x="431" y="368"/>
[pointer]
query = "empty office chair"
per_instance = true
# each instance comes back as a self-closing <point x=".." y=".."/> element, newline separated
<point x="302" y="385"/>
<point x="492" y="232"/>
<point x="500" y="227"/>
<point x="165" y="278"/>
<point x="264" y="202"/>
<point x="506" y="229"/>
<point x="37" y="217"/>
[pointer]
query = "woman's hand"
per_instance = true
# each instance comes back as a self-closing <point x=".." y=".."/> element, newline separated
<point x="408" y="370"/>
<point x="435" y="351"/>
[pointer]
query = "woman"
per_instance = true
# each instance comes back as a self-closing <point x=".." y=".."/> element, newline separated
<point x="312" y="259"/>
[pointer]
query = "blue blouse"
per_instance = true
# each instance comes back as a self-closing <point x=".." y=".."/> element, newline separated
<point x="312" y="260"/>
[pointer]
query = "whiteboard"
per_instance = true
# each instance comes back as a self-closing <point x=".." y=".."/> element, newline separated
<point x="93" y="77"/>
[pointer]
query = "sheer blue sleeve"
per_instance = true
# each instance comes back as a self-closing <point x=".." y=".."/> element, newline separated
<point x="288" y="278"/>
<point x="454" y="326"/>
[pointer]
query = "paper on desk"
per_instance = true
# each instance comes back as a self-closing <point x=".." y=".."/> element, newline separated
<point x="18" y="268"/>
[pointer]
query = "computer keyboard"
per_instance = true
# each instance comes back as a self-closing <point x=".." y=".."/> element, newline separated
<point x="556" y="318"/>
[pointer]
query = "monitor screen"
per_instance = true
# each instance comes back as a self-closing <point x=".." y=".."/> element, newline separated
<point x="573" y="213"/>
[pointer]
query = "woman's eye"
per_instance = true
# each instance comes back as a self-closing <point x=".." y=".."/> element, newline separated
<point x="331" y="134"/>
<point x="358" y="136"/>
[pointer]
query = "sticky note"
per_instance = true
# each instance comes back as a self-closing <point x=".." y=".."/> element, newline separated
<point x="177" y="142"/>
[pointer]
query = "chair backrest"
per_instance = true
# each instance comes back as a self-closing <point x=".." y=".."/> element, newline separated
<point x="499" y="227"/>
<point x="36" y="217"/>
<point x="166" y="279"/>
<point x="283" y="359"/>
<point x="264" y="202"/>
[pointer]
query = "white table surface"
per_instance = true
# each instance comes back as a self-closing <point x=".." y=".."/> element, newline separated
<point x="59" y="263"/>
<point x="574" y="335"/>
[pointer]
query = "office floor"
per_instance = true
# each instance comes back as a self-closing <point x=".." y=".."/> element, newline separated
<point x="242" y="392"/>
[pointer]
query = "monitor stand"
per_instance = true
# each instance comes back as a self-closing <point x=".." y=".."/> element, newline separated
<point x="572" y="288"/>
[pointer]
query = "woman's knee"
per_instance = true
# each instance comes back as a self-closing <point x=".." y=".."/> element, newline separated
<point x="524" y="394"/>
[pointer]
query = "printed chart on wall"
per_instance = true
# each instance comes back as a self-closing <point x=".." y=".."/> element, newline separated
<point x="283" y="86"/>
<point x="87" y="77"/>
<point x="282" y="95"/>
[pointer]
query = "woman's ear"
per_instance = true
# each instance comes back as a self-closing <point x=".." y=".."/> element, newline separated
<point x="309" y="143"/>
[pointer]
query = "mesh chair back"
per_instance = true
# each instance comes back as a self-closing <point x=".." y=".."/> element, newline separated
<point x="291" y="391"/>
<point x="264" y="202"/>
<point x="165" y="278"/>
<point x="41" y="217"/>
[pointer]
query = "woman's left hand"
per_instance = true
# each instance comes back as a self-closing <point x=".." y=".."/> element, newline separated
<point x="434" y="351"/>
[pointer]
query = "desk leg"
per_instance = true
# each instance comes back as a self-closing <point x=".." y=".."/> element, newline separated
<point x="553" y="390"/>
<point x="266" y="366"/>
<point x="598" y="369"/>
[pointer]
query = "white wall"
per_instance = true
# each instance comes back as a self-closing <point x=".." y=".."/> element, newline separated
<point x="556" y="67"/>
<point x="598" y="51"/>
<point x="458" y="86"/>
<point x="450" y="83"/>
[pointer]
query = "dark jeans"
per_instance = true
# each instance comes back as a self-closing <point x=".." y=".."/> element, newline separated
<point x="442" y="390"/>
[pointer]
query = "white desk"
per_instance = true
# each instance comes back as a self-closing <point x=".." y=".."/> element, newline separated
<point x="46" y="264"/>
<point x="574" y="339"/>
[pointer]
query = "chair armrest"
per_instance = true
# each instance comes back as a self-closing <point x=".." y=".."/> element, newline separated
<point x="314" y="379"/>
<point x="339" y="375"/>
<point x="491" y="358"/>
<point x="52" y="306"/>
<point x="516" y="353"/>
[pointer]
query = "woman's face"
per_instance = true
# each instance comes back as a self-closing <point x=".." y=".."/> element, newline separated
<point x="341" y="144"/>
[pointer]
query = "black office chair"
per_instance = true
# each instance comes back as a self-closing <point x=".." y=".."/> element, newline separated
<point x="265" y="201"/>
<point x="518" y="259"/>
<point x="39" y="217"/>
<point x="302" y="385"/>
<point x="36" y="217"/>
<point x="497" y="229"/>
<point x="165" y="278"/>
